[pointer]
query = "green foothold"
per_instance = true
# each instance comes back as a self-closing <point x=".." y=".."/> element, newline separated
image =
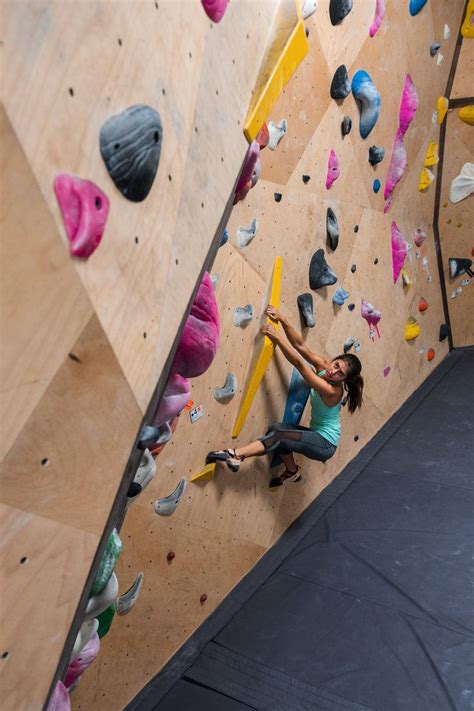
<point x="105" y="620"/>
<point x="112" y="551"/>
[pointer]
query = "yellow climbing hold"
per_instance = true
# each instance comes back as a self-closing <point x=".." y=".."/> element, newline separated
<point x="266" y="354"/>
<point x="432" y="157"/>
<point x="443" y="106"/>
<point x="466" y="114"/>
<point x="426" y="179"/>
<point x="467" y="27"/>
<point x="205" y="474"/>
<point x="287" y="48"/>
<point x="406" y="279"/>
<point x="412" y="329"/>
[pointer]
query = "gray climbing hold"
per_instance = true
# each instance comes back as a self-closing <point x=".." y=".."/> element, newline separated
<point x="332" y="228"/>
<point x="458" y="266"/>
<point x="228" y="390"/>
<point x="246" y="234"/>
<point x="346" y="125"/>
<point x="376" y="155"/>
<point x="144" y="474"/>
<point x="340" y="296"/>
<point x="167" y="505"/>
<point x="242" y="315"/>
<point x="224" y="238"/>
<point x="357" y="346"/>
<point x="154" y="436"/>
<point x="85" y="634"/>
<point x="306" y="179"/>
<point x="341" y="84"/>
<point x="305" y="306"/>
<point x="348" y="344"/>
<point x="320" y="273"/>
<point x="338" y="9"/>
<point x="434" y="48"/>
<point x="126" y="601"/>
<point x="130" y="145"/>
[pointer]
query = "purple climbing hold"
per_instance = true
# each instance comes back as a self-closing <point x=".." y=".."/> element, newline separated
<point x="333" y="169"/>
<point x="250" y="172"/>
<point x="215" y="9"/>
<point x="176" y="394"/>
<point x="399" y="251"/>
<point x="372" y="316"/>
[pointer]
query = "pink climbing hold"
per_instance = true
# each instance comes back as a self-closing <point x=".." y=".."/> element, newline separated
<point x="398" y="161"/>
<point x="85" y="209"/>
<point x="83" y="660"/>
<point x="386" y="371"/>
<point x="399" y="251"/>
<point x="176" y="394"/>
<point x="378" y="17"/>
<point x="215" y="9"/>
<point x="59" y="700"/>
<point x="372" y="316"/>
<point x="200" y="338"/>
<point x="250" y="172"/>
<point x="333" y="169"/>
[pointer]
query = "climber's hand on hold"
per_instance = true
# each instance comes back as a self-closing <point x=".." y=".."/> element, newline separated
<point x="273" y="313"/>
<point x="269" y="330"/>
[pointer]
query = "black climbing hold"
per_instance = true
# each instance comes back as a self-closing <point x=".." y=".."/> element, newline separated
<point x="434" y="48"/>
<point x="306" y="31"/>
<point x="353" y="268"/>
<point x="351" y="307"/>
<point x="130" y="145"/>
<point x="459" y="266"/>
<point x="356" y="228"/>
<point x="346" y="125"/>
<point x="376" y="155"/>
<point x="277" y="196"/>
<point x="376" y="260"/>
<point x="306" y="179"/>
<point x="305" y="305"/>
<point x="338" y="9"/>
<point x="340" y="85"/>
<point x="320" y="273"/>
<point x="444" y="331"/>
<point x="356" y="437"/>
<point x="134" y="489"/>
<point x="332" y="229"/>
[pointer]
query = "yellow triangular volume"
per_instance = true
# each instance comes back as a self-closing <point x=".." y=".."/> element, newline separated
<point x="205" y="474"/>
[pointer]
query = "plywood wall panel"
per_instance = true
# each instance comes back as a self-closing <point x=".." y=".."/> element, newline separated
<point x="463" y="85"/>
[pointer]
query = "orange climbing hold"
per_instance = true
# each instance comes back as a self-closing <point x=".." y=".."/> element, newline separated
<point x="423" y="305"/>
<point x="430" y="354"/>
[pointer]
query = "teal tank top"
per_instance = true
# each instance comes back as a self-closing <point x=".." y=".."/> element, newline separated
<point x="325" y="420"/>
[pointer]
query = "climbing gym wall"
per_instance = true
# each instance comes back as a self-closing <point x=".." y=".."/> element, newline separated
<point x="386" y="263"/>
<point x="86" y="340"/>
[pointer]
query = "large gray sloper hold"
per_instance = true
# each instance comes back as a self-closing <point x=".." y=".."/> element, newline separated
<point x="130" y="145"/>
<point x="228" y="391"/>
<point x="338" y="9"/>
<point x="167" y="506"/>
<point x="320" y="273"/>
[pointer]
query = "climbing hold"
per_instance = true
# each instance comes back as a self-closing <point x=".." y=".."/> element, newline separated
<point x="444" y="331"/>
<point x="276" y="131"/>
<point x="399" y="251"/>
<point x="145" y="472"/>
<point x="224" y="238"/>
<point x="309" y="7"/>
<point x="103" y="599"/>
<point x="351" y="307"/>
<point x="466" y="114"/>
<point x="372" y="316"/>
<point x="249" y="173"/>
<point x="467" y="27"/>
<point x="378" y="17"/>
<point x="348" y="344"/>
<point x="341" y="84"/>
<point x="356" y="228"/>
<point x="338" y="9"/>
<point x="398" y="161"/>
<point x="346" y="125"/>
<point x="386" y="371"/>
<point x="376" y="260"/>
<point x="442" y="108"/>
<point x="430" y="354"/>
<point x="59" y="700"/>
<point x="434" y="48"/>
<point x="432" y="157"/>
<point x="456" y="292"/>
<point x="406" y="279"/>
<point x="340" y="296"/>
<point x="333" y="169"/>
<point x="215" y="280"/>
<point x="356" y="438"/>
<point x="458" y="266"/>
<point x="126" y="601"/>
<point x="84" y="209"/>
<point x="228" y="390"/>
<point x="87" y="630"/>
<point x="426" y="179"/>
<point x="376" y="155"/>
<point x="422" y="305"/>
<point x="439" y="59"/>
<point x="203" y="598"/>
<point x="200" y="338"/>
<point x="105" y="621"/>
<point x="205" y="474"/>
<point x="357" y="346"/>
<point x="320" y="273"/>
<point x="82" y="662"/>
<point x="377" y="185"/>
<point x="420" y="237"/>
<point x="353" y="268"/>
<point x="176" y="394"/>
<point x="305" y="306"/>
<point x="277" y="196"/>
<point x="446" y="32"/>
<point x="332" y="228"/>
<point x="246" y="234"/>
<point x="463" y="185"/>
<point x="215" y="9"/>
<point x="306" y="179"/>
<point x="170" y="556"/>
<point x="113" y="548"/>
<point x="368" y="98"/>
<point x="167" y="506"/>
<point x="130" y="145"/>
<point x="412" y="329"/>
<point x="150" y="437"/>
<point x="416" y="6"/>
<point x="242" y="315"/>
<point x="263" y="137"/>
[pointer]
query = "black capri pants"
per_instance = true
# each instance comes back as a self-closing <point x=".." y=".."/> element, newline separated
<point x="284" y="439"/>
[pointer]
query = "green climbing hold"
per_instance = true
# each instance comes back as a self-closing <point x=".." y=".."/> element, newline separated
<point x="105" y="620"/>
<point x="112" y="551"/>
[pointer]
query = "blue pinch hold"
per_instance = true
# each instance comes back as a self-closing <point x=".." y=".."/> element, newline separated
<point x="416" y="6"/>
<point x="340" y="296"/>
<point x="376" y="185"/>
<point x="365" y="92"/>
<point x="224" y="238"/>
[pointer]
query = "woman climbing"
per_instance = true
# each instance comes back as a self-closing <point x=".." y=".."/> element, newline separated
<point x="328" y="380"/>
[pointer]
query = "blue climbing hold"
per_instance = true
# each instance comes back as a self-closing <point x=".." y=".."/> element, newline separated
<point x="225" y="238"/>
<point x="416" y="6"/>
<point x="376" y="185"/>
<point x="365" y="92"/>
<point x="340" y="296"/>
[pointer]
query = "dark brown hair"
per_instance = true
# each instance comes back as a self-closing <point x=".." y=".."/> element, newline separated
<point x="354" y="382"/>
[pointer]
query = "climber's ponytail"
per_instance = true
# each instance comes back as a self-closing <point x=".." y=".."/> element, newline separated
<point x="354" y="382"/>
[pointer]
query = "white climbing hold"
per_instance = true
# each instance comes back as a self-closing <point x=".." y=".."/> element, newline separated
<point x="357" y="346"/>
<point x="465" y="282"/>
<point x="276" y="131"/>
<point x="463" y="185"/>
<point x="215" y="280"/>
<point x="104" y="599"/>
<point x="308" y="8"/>
<point x="447" y="32"/>
<point x="145" y="472"/>
<point x="246" y="234"/>
<point x="456" y="292"/>
<point x="85" y="634"/>
<point x="228" y="390"/>
<point x="126" y="601"/>
<point x="434" y="117"/>
<point x="167" y="505"/>
<point x="242" y="315"/>
<point x="439" y="59"/>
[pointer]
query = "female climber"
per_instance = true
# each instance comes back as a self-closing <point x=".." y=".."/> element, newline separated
<point x="328" y="380"/>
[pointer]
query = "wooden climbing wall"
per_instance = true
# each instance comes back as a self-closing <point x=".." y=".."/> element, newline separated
<point x="222" y="527"/>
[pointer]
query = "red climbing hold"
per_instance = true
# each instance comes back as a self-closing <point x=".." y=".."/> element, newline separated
<point x="203" y="599"/>
<point x="423" y="305"/>
<point x="263" y="136"/>
<point x="84" y="208"/>
<point x="170" y="556"/>
<point x="215" y="9"/>
<point x="431" y="354"/>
